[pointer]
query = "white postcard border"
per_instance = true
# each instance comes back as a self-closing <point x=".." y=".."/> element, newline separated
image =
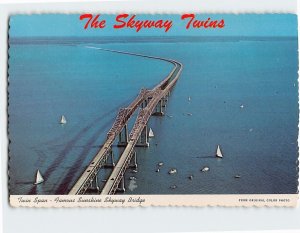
<point x="244" y="219"/>
<point x="244" y="200"/>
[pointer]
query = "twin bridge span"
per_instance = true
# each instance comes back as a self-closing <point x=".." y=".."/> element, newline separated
<point x="152" y="102"/>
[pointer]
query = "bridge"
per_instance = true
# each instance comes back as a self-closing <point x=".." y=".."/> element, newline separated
<point x="152" y="102"/>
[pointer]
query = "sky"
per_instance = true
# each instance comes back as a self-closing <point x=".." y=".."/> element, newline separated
<point x="48" y="25"/>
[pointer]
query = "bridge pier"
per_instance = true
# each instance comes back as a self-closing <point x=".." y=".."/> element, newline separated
<point x="123" y="136"/>
<point x="94" y="186"/>
<point x="144" y="103"/>
<point x="109" y="161"/>
<point x="143" y="140"/>
<point x="121" y="186"/>
<point x="164" y="102"/>
<point x="158" y="111"/>
<point x="133" y="161"/>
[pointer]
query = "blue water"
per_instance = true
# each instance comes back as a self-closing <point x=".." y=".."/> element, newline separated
<point x="88" y="86"/>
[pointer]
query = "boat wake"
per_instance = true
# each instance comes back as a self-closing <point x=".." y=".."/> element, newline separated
<point x="69" y="146"/>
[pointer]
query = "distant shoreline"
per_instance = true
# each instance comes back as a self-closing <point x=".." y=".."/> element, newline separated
<point x="143" y="39"/>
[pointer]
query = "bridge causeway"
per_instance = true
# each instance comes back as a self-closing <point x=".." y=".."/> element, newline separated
<point x="152" y="102"/>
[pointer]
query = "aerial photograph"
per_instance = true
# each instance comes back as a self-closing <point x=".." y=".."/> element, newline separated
<point x="153" y="111"/>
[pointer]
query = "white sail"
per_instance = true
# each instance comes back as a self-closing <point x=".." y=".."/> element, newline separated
<point x="151" y="134"/>
<point x="39" y="179"/>
<point x="63" y="120"/>
<point x="219" y="152"/>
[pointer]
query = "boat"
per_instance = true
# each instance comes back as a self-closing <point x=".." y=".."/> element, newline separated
<point x="151" y="134"/>
<point x="237" y="176"/>
<point x="134" y="171"/>
<point x="63" y="120"/>
<point x="189" y="98"/>
<point x="191" y="177"/>
<point x="219" y="152"/>
<point x="160" y="164"/>
<point x="242" y="106"/>
<point x="173" y="186"/>
<point x="189" y="114"/>
<point x="173" y="171"/>
<point x="38" y="178"/>
<point x="157" y="170"/>
<point x="132" y="178"/>
<point x="205" y="169"/>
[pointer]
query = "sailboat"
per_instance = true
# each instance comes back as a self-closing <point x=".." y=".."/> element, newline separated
<point x="63" y="120"/>
<point x="39" y="179"/>
<point x="190" y="99"/>
<point x="219" y="152"/>
<point x="151" y="134"/>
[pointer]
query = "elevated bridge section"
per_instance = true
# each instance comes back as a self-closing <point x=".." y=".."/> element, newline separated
<point x="151" y="102"/>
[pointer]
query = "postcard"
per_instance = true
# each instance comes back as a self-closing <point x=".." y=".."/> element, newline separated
<point x="110" y="110"/>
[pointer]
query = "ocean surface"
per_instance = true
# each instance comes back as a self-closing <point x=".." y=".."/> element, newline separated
<point x="50" y="78"/>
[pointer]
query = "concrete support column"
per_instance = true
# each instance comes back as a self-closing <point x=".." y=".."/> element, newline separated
<point x="143" y="140"/>
<point x="121" y="187"/>
<point x="133" y="162"/>
<point x="110" y="161"/>
<point x="144" y="103"/>
<point x="94" y="185"/>
<point x="158" y="111"/>
<point x="123" y="136"/>
<point x="164" y="101"/>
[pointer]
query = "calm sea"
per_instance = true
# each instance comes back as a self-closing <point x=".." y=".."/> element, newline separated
<point x="50" y="78"/>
